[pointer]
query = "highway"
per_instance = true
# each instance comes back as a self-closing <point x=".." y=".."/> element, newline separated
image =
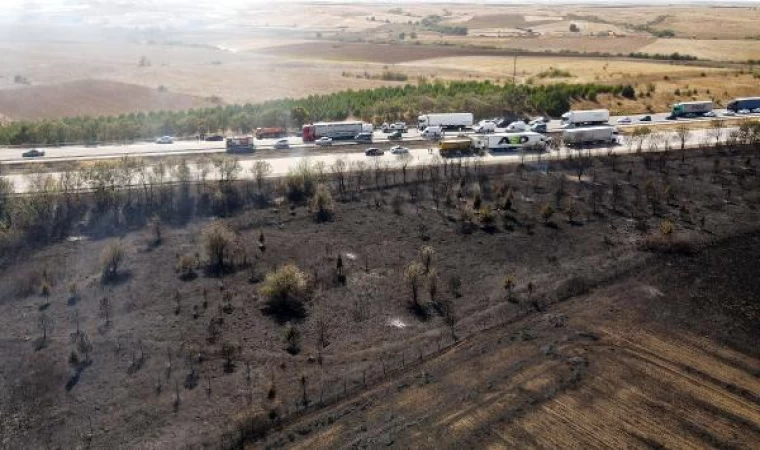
<point x="412" y="137"/>
<point x="418" y="155"/>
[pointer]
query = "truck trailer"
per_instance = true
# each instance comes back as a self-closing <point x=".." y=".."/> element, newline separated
<point x="334" y="130"/>
<point x="456" y="147"/>
<point x="271" y="133"/>
<point x="240" y="144"/>
<point x="449" y="121"/>
<point x="687" y="109"/>
<point x="574" y="119"/>
<point x="526" y="140"/>
<point x="748" y="103"/>
<point x="592" y="135"/>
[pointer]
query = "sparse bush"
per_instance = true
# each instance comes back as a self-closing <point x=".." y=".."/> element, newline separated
<point x="111" y="258"/>
<point x="217" y="241"/>
<point x="397" y="203"/>
<point x="509" y="284"/>
<point x="155" y="229"/>
<point x="292" y="339"/>
<point x="286" y="291"/>
<point x="487" y="217"/>
<point x="186" y="266"/>
<point x="427" y="255"/>
<point x="455" y="286"/>
<point x="547" y="211"/>
<point x="322" y="204"/>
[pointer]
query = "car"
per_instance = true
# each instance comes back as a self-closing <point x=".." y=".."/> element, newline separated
<point x="398" y="126"/>
<point x="709" y="114"/>
<point x="214" y="138"/>
<point x="282" y="144"/>
<point x="729" y="113"/>
<point x="756" y="110"/>
<point x="399" y="150"/>
<point x="743" y="111"/>
<point x="624" y="120"/>
<point x="374" y="152"/>
<point x="33" y="153"/>
<point x="539" y="127"/>
<point x="395" y="136"/>
<point x="323" y="141"/>
<point x="646" y="119"/>
<point x="539" y="120"/>
<point x="364" y="136"/>
<point x="165" y="140"/>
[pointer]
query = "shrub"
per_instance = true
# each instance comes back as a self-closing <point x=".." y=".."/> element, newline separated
<point x="111" y="258"/>
<point x="322" y="204"/>
<point x="487" y="217"/>
<point x="300" y="182"/>
<point x="217" y="240"/>
<point x="186" y="266"/>
<point x="292" y="339"/>
<point x="286" y="291"/>
<point x="427" y="255"/>
<point x="414" y="275"/>
<point x="547" y="212"/>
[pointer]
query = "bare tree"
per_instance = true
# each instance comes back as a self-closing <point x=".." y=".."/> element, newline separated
<point x="414" y="275"/>
<point x="260" y="170"/>
<point x="716" y="130"/>
<point x="45" y="324"/>
<point x="339" y="168"/>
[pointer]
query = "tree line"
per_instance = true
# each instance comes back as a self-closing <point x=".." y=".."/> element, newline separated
<point x="482" y="98"/>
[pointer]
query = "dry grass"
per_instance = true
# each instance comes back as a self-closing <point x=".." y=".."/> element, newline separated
<point x="717" y="50"/>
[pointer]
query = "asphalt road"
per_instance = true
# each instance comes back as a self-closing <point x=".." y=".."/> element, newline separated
<point x="412" y="137"/>
<point x="418" y="155"/>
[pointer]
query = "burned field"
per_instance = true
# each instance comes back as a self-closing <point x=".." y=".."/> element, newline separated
<point x="476" y="305"/>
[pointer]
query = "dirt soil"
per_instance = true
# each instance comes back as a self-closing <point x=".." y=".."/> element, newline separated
<point x="91" y="97"/>
<point x="602" y="342"/>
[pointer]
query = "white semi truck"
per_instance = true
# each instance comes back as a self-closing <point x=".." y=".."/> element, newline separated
<point x="574" y="119"/>
<point x="526" y="140"/>
<point x="592" y="135"/>
<point x="447" y="121"/>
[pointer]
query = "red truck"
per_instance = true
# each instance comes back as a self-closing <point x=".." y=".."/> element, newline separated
<point x="270" y="133"/>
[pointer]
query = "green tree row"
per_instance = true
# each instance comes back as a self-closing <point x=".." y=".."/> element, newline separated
<point x="482" y="98"/>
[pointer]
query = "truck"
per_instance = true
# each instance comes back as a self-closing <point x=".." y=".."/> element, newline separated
<point x="270" y="133"/>
<point x="240" y="144"/>
<point x="744" y="103"/>
<point x="484" y="126"/>
<point x="574" y="119"/>
<point x="456" y="147"/>
<point x="692" y="109"/>
<point x="334" y="130"/>
<point x="450" y="121"/>
<point x="526" y="140"/>
<point x="593" y="135"/>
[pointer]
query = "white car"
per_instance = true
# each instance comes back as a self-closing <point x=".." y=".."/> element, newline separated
<point x="323" y="141"/>
<point x="517" y="126"/>
<point x="624" y="120"/>
<point x="282" y="144"/>
<point x="165" y="140"/>
<point x="729" y="113"/>
<point x="399" y="150"/>
<point x="709" y="114"/>
<point x="756" y="110"/>
<point x="539" y="120"/>
<point x="743" y="111"/>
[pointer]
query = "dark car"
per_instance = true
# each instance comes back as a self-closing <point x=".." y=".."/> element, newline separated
<point x="396" y="136"/>
<point x="214" y="138"/>
<point x="363" y="137"/>
<point x="374" y="152"/>
<point x="33" y="153"/>
<point x="646" y="119"/>
<point x="671" y="117"/>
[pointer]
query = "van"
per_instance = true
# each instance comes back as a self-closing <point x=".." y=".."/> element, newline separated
<point x="432" y="132"/>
